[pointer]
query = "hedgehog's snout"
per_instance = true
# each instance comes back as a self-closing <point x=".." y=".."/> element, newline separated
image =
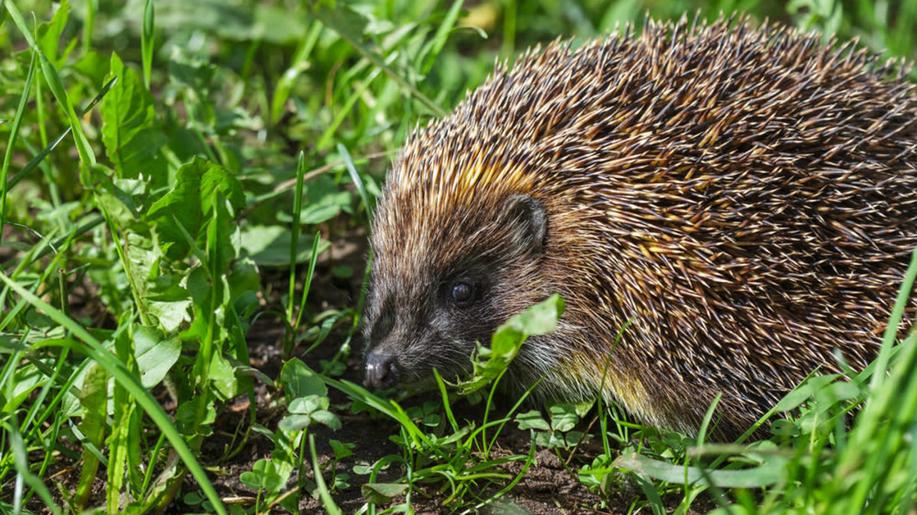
<point x="381" y="369"/>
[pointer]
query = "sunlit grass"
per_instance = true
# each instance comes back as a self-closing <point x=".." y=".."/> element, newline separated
<point x="177" y="177"/>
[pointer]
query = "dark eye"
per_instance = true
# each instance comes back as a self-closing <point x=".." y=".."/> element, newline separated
<point x="462" y="292"/>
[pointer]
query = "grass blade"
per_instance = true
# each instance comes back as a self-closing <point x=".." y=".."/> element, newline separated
<point x="87" y="156"/>
<point x="442" y="34"/>
<point x="294" y="235"/>
<point x="386" y="407"/>
<point x="147" y="42"/>
<point x="323" y="492"/>
<point x="894" y="323"/>
<point x="11" y="143"/>
<point x="355" y="177"/>
<point x="107" y="360"/>
<point x="89" y="24"/>
<point x="21" y="461"/>
<point x="767" y="473"/>
<point x="310" y="273"/>
<point x="331" y="19"/>
<point x="35" y="161"/>
<point x="298" y="64"/>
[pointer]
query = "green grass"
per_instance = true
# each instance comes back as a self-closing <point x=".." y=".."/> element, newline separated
<point x="174" y="185"/>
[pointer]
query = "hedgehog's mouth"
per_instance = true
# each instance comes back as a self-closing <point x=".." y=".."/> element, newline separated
<point x="384" y="368"/>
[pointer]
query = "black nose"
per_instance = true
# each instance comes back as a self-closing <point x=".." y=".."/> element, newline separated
<point x="381" y="370"/>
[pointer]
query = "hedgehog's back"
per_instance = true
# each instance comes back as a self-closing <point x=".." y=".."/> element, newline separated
<point x="746" y="195"/>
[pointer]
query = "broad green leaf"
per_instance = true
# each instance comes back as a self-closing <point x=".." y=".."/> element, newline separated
<point x="244" y="282"/>
<point x="325" y="209"/>
<point x="323" y="200"/>
<point x="121" y="198"/>
<point x="94" y="399"/>
<point x="563" y="417"/>
<point x="341" y="449"/>
<point x="382" y="492"/>
<point x="170" y="314"/>
<point x="327" y="418"/>
<point x="295" y="422"/>
<point x="266" y="474"/>
<point x="192" y="498"/>
<point x="582" y="408"/>
<point x="155" y="355"/>
<point x="308" y="404"/>
<point x="49" y="34"/>
<point x="195" y="183"/>
<point x="299" y="380"/>
<point x="131" y="132"/>
<point x="124" y="441"/>
<point x="187" y="420"/>
<point x="166" y="300"/>
<point x="532" y="419"/>
<point x="95" y="66"/>
<point x="199" y="288"/>
<point x="96" y="352"/>
<point x="220" y="250"/>
<point x="191" y="202"/>
<point x="233" y="21"/>
<point x="489" y="363"/>
<point x="539" y="319"/>
<point x="269" y="245"/>
<point x="341" y="16"/>
<point x="223" y="377"/>
<point x="362" y="469"/>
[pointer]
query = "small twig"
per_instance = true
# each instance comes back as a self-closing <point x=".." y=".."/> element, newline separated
<point x="282" y="496"/>
<point x="239" y="499"/>
<point x="575" y="447"/>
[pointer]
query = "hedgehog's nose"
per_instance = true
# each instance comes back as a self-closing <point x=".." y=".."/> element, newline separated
<point x="381" y="370"/>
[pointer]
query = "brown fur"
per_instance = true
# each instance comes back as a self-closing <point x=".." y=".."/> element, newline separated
<point x="745" y="196"/>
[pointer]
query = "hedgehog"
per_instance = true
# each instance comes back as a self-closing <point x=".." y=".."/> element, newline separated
<point x="738" y="200"/>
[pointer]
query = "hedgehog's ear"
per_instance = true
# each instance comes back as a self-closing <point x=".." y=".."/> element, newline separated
<point x="528" y="218"/>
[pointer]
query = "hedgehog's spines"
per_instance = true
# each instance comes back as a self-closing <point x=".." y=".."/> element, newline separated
<point x="747" y="195"/>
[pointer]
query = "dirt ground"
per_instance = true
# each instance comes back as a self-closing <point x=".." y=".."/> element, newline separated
<point x="548" y="487"/>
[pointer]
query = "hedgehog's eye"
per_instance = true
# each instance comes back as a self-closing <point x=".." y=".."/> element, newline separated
<point x="462" y="293"/>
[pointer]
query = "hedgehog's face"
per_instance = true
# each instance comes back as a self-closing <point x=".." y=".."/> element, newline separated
<point x="440" y="285"/>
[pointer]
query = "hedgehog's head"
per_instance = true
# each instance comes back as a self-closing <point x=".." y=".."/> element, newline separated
<point x="451" y="263"/>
